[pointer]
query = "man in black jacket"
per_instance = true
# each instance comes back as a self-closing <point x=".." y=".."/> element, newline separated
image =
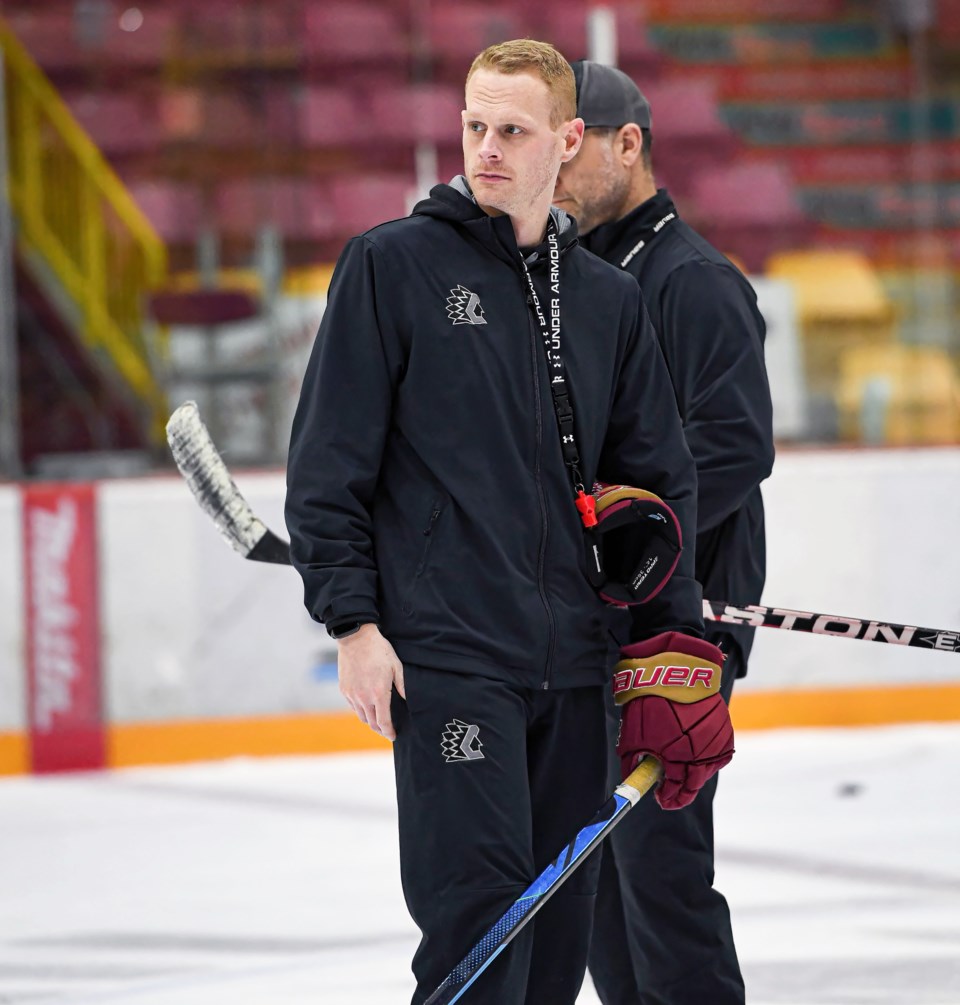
<point x="431" y="509"/>
<point x="662" y="933"/>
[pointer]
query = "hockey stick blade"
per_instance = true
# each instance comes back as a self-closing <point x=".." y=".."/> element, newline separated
<point x="214" y="489"/>
<point x="212" y="486"/>
<point x="503" y="931"/>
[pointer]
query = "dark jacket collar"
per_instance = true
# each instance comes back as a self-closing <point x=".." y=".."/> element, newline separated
<point x="613" y="241"/>
<point x="455" y="203"/>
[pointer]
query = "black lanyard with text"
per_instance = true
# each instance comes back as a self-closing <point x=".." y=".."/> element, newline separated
<point x="648" y="235"/>
<point x="585" y="503"/>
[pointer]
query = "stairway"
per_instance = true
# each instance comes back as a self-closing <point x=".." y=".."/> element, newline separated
<point x="85" y="259"/>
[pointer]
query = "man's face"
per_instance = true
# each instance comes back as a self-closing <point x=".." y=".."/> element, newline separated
<point x="511" y="152"/>
<point x="594" y="185"/>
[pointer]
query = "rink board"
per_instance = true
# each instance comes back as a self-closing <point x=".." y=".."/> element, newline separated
<point x="204" y="655"/>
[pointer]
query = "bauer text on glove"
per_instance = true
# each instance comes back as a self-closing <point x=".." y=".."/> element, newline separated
<point x="668" y="688"/>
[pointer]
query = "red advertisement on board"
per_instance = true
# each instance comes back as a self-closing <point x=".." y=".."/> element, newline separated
<point x="63" y="628"/>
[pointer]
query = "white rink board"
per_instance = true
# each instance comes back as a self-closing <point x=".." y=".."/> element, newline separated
<point x="193" y="630"/>
<point x="862" y="534"/>
<point x="12" y="608"/>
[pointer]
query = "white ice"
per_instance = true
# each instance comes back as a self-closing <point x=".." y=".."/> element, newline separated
<point x="274" y="881"/>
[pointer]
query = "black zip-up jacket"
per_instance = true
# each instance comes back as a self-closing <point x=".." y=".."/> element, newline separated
<point x="426" y="487"/>
<point x="710" y="330"/>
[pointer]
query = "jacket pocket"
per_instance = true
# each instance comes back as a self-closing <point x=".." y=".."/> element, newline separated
<point x="429" y="534"/>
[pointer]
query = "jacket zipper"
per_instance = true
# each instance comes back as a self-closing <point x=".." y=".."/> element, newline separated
<point x="434" y="516"/>
<point x="541" y="558"/>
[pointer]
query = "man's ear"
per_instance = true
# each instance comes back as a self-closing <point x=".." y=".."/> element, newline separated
<point x="572" y="138"/>
<point x="629" y="144"/>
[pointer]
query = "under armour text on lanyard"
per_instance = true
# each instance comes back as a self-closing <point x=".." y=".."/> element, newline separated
<point x="585" y="503"/>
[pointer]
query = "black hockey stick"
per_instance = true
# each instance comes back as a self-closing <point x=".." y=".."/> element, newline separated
<point x="213" y="487"/>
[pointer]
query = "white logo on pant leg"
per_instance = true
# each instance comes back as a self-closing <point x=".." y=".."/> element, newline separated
<point x="464" y="308"/>
<point x="461" y="742"/>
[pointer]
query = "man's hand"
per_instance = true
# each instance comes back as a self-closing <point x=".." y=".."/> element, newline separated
<point x="669" y="690"/>
<point x="368" y="669"/>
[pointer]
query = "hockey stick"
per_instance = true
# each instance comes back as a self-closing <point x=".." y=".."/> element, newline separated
<point x="831" y="624"/>
<point x="214" y="489"/>
<point x="212" y="486"/>
<point x="501" y="933"/>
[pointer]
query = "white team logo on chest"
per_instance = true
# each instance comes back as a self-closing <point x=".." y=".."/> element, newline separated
<point x="463" y="307"/>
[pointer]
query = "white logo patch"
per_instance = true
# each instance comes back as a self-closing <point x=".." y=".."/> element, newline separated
<point x="464" y="308"/>
<point x="461" y="742"/>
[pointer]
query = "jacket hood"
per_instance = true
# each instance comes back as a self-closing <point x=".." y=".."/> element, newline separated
<point x="456" y="204"/>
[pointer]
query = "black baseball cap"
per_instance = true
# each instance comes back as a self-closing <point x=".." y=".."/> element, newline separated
<point x="606" y="96"/>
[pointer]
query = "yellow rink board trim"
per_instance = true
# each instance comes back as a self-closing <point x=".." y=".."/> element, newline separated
<point x="14" y="754"/>
<point x="333" y="732"/>
<point x="848" y="706"/>
<point x="209" y="739"/>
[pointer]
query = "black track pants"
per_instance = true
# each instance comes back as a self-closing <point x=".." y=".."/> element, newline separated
<point x="662" y="933"/>
<point x="492" y="782"/>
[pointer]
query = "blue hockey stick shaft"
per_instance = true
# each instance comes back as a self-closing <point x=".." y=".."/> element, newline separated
<point x="498" y="937"/>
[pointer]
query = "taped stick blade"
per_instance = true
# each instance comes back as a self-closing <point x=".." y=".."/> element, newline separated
<point x="216" y="492"/>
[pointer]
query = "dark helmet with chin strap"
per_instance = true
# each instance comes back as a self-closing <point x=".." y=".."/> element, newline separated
<point x="638" y="543"/>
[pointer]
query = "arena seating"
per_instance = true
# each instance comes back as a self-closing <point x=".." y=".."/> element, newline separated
<point x="363" y="201"/>
<point x="841" y="305"/>
<point x="299" y="208"/>
<point x="898" y="394"/>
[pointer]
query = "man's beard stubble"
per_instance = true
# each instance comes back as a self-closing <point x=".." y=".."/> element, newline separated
<point x="604" y="199"/>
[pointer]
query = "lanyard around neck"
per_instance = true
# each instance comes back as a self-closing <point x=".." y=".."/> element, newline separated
<point x="562" y="405"/>
<point x="649" y="233"/>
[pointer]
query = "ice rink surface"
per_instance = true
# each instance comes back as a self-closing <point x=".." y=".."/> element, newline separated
<point x="275" y="882"/>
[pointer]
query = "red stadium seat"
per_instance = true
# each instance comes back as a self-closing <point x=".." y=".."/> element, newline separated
<point x="66" y="37"/>
<point x="363" y="201"/>
<point x="456" y="32"/>
<point x="333" y="117"/>
<point x="685" y="110"/>
<point x="281" y="109"/>
<point x="686" y="128"/>
<point x="174" y="209"/>
<point x="417" y="112"/>
<point x="139" y="35"/>
<point x="219" y="28"/>
<point x="343" y="33"/>
<point x="749" y="210"/>
<point x="227" y="118"/>
<point x="565" y="26"/>
<point x="118" y="123"/>
<point x="50" y="36"/>
<point x="747" y="193"/>
<point x="299" y="208"/>
<point x="230" y="120"/>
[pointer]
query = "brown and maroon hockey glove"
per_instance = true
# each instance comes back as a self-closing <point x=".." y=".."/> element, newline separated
<point x="669" y="691"/>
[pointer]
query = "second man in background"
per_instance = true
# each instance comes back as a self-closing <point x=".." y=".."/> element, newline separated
<point x="662" y="933"/>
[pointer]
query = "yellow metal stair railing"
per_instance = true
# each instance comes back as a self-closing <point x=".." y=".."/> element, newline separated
<point x="80" y="231"/>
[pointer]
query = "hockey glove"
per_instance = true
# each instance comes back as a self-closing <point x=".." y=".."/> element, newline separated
<point x="668" y="688"/>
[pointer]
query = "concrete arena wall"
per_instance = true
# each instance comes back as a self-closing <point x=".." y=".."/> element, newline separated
<point x="206" y="655"/>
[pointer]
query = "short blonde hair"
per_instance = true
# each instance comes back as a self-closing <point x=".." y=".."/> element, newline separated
<point x="525" y="55"/>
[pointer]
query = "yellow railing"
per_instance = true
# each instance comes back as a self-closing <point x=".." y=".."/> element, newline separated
<point x="77" y="224"/>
